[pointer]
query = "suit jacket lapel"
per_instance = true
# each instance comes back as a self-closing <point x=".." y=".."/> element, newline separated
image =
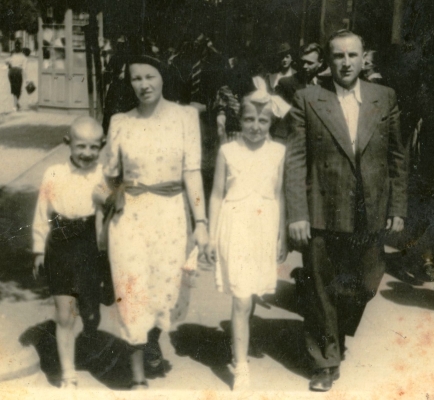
<point x="329" y="110"/>
<point x="369" y="115"/>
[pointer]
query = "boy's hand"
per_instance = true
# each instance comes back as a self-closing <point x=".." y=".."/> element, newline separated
<point x="39" y="262"/>
<point x="211" y="255"/>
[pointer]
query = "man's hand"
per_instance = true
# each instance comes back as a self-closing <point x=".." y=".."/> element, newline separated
<point x="395" y="224"/>
<point x="299" y="232"/>
<point x="37" y="264"/>
<point x="201" y="238"/>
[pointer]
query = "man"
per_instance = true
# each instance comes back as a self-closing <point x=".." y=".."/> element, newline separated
<point x="311" y="60"/>
<point x="370" y="71"/>
<point x="285" y="66"/>
<point x="346" y="178"/>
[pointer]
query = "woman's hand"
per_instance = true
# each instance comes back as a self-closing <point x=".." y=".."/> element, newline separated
<point x="37" y="264"/>
<point x="211" y="252"/>
<point x="201" y="237"/>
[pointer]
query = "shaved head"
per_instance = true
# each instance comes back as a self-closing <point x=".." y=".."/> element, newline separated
<point x="85" y="127"/>
<point x="85" y="140"/>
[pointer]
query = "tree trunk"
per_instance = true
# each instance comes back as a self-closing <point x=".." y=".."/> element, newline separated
<point x="89" y="69"/>
<point x="93" y="29"/>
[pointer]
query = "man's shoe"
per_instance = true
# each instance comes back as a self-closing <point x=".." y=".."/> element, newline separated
<point x="322" y="379"/>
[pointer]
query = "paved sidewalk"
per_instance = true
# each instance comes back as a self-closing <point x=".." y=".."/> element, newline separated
<point x="389" y="358"/>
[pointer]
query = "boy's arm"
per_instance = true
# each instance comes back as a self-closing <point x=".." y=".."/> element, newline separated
<point x="41" y="225"/>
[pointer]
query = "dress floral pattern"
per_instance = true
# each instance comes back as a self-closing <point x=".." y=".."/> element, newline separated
<point x="148" y="240"/>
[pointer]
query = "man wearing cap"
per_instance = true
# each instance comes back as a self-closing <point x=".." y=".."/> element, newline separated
<point x="346" y="186"/>
<point x="311" y="60"/>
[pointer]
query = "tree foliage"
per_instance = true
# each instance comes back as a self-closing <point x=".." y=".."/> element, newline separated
<point x="18" y="15"/>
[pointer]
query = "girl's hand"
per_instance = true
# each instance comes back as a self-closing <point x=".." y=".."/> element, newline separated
<point x="201" y="237"/>
<point x="211" y="254"/>
<point x="282" y="247"/>
<point x="37" y="264"/>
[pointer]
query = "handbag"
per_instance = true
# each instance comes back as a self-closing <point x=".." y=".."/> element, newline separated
<point x="30" y="87"/>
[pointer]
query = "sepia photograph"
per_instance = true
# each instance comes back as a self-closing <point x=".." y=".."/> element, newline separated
<point x="217" y="199"/>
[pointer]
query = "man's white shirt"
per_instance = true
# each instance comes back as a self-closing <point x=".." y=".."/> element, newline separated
<point x="350" y="101"/>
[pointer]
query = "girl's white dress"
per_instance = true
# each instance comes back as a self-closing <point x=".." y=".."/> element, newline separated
<point x="248" y="225"/>
<point x="148" y="240"/>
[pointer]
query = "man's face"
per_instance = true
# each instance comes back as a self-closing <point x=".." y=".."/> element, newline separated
<point x="286" y="61"/>
<point x="346" y="60"/>
<point x="310" y="64"/>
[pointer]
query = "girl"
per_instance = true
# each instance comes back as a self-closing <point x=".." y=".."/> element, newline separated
<point x="247" y="220"/>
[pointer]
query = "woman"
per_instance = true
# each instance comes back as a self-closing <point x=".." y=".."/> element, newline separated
<point x="154" y="152"/>
<point x="17" y="63"/>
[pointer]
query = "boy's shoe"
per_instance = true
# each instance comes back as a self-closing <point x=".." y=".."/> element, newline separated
<point x="241" y="377"/>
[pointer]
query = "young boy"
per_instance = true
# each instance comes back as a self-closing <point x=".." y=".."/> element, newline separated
<point x="64" y="239"/>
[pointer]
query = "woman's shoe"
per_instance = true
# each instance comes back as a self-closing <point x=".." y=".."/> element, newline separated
<point x="155" y="368"/>
<point x="142" y="385"/>
<point x="241" y="377"/>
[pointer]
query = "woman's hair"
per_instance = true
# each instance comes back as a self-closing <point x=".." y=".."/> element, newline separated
<point x="159" y="65"/>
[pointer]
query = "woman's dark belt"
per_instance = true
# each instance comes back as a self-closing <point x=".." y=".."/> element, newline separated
<point x="116" y="201"/>
<point x="63" y="228"/>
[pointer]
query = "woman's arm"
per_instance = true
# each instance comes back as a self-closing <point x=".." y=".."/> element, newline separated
<point x="221" y="127"/>
<point x="194" y="187"/>
<point x="217" y="195"/>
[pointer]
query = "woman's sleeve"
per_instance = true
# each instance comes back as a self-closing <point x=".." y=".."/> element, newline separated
<point x="112" y="151"/>
<point x="192" y="143"/>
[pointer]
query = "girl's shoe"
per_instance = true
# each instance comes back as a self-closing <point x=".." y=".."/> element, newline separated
<point x="69" y="383"/>
<point x="241" y="377"/>
<point x="142" y="385"/>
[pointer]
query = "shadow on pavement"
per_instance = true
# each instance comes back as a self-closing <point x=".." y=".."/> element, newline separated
<point x="103" y="355"/>
<point x="16" y="216"/>
<point x="32" y="136"/>
<point x="285" y="297"/>
<point x="280" y="339"/>
<point x="208" y="346"/>
<point x="407" y="295"/>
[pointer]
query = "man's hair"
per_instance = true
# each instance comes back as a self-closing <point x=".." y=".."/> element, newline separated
<point x="311" y="48"/>
<point x="342" y="33"/>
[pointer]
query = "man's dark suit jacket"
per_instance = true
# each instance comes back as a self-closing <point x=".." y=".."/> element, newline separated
<point x="287" y="87"/>
<point x="321" y="164"/>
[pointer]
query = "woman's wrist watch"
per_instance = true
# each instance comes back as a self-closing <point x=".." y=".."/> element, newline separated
<point x="202" y="221"/>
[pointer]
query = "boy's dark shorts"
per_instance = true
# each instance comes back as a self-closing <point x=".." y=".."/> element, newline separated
<point x="73" y="264"/>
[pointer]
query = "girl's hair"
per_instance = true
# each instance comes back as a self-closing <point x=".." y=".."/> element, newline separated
<point x="252" y="98"/>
